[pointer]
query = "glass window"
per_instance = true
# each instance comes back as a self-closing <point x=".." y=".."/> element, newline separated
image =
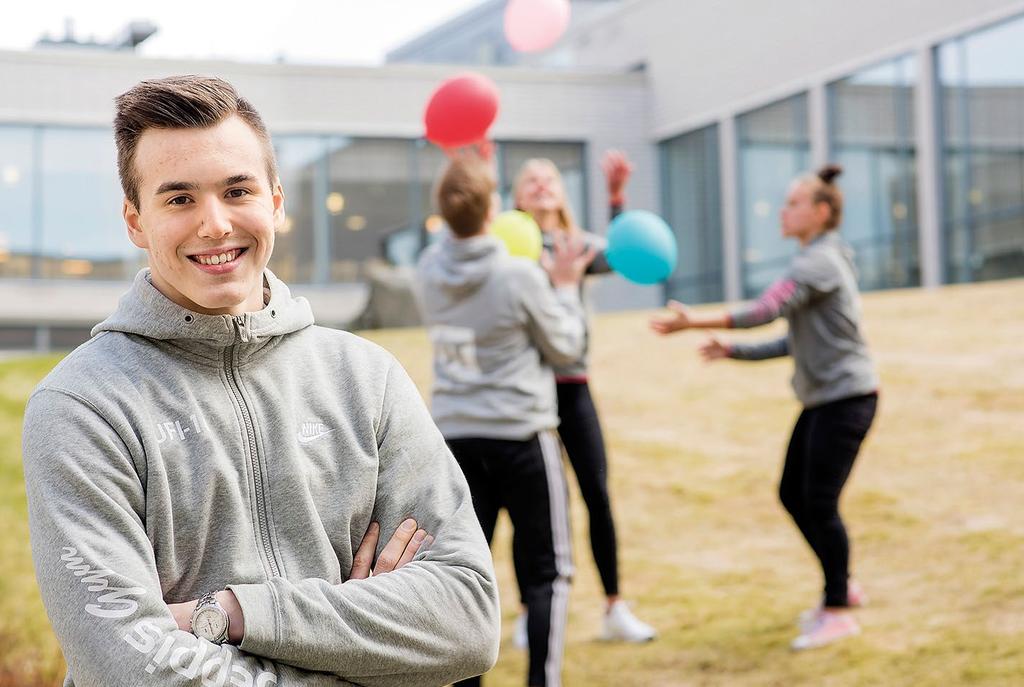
<point x="403" y="249"/>
<point x="369" y="199"/>
<point x="568" y="157"/>
<point x="82" y="233"/>
<point x="774" y="147"/>
<point x="17" y="173"/>
<point x="873" y="139"/>
<point x="301" y="164"/>
<point x="981" y="79"/>
<point x="692" y="207"/>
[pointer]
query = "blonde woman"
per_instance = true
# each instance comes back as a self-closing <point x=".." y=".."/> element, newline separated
<point x="540" y="191"/>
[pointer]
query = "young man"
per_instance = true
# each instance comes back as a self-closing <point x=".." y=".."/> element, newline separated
<point x="497" y="327"/>
<point x="201" y="473"/>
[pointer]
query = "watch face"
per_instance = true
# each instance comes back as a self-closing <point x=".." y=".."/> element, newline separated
<point x="210" y="624"/>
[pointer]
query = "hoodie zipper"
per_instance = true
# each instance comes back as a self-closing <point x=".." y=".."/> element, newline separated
<point x="256" y="469"/>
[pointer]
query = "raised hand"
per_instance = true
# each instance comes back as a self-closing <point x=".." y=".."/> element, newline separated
<point x="617" y="170"/>
<point x="568" y="258"/>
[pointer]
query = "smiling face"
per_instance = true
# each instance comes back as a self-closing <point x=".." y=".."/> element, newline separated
<point x="539" y="188"/>
<point x="206" y="215"/>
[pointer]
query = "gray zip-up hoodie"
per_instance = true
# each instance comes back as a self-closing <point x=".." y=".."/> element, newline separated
<point x="819" y="298"/>
<point x="176" y="453"/>
<point x="497" y="327"/>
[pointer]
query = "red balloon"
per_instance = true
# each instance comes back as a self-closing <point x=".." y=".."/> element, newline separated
<point x="461" y="110"/>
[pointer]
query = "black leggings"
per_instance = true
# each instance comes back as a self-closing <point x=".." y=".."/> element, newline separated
<point x="526" y="478"/>
<point x="580" y="431"/>
<point x="821" y="453"/>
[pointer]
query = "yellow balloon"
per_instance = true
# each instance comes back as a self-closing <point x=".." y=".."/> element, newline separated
<point x="519" y="232"/>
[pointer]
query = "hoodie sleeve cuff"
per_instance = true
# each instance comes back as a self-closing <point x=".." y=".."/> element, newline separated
<point x="260" y="611"/>
<point x="568" y="294"/>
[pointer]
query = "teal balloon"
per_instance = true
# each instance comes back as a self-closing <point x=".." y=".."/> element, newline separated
<point x="641" y="247"/>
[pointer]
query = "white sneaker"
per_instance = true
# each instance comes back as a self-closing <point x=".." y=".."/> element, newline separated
<point x="620" y="625"/>
<point x="855" y="598"/>
<point x="830" y="627"/>
<point x="520" y="639"/>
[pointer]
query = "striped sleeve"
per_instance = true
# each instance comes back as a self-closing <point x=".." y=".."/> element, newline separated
<point x="782" y="297"/>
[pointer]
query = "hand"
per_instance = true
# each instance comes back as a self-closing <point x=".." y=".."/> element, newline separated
<point x="485" y="149"/>
<point x="681" y="318"/>
<point x="482" y="149"/>
<point x="404" y="544"/>
<point x="617" y="170"/>
<point x="713" y="349"/>
<point x="568" y="260"/>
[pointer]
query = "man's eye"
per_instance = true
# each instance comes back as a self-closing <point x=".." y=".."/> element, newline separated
<point x="237" y="193"/>
<point x="178" y="200"/>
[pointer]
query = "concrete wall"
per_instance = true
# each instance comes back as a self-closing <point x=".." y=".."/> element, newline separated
<point x="708" y="59"/>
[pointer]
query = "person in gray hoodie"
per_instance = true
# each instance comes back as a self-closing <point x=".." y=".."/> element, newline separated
<point x="497" y="327"/>
<point x="834" y="379"/>
<point x="208" y="475"/>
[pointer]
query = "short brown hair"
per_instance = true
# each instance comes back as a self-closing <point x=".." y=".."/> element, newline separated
<point x="179" y="102"/>
<point x="464" y="195"/>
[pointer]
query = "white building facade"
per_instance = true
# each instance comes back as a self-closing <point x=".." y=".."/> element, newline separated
<point x="719" y="105"/>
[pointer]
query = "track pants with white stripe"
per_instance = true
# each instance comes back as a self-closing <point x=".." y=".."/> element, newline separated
<point x="526" y="477"/>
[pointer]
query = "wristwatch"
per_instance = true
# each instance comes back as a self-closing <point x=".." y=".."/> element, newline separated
<point x="210" y="620"/>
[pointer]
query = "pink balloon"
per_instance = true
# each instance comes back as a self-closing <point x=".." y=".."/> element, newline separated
<point x="535" y="25"/>
<point x="461" y="110"/>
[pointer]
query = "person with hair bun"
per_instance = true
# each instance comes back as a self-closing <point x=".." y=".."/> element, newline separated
<point x="834" y="379"/>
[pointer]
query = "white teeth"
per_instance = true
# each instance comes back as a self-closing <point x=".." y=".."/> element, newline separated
<point x="217" y="259"/>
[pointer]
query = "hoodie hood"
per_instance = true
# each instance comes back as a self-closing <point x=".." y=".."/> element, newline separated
<point x="460" y="266"/>
<point x="144" y="311"/>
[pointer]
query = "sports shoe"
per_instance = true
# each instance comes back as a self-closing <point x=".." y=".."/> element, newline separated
<point x="520" y="639"/>
<point x="620" y="625"/>
<point x="829" y="627"/>
<point x="855" y="598"/>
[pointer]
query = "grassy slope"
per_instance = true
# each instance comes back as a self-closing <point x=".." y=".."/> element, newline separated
<point x="706" y="553"/>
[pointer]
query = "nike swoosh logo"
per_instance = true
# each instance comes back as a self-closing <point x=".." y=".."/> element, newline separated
<point x="306" y="440"/>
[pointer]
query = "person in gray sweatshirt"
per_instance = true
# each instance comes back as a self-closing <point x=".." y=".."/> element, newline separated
<point x="208" y="476"/>
<point x="834" y="379"/>
<point x="498" y="325"/>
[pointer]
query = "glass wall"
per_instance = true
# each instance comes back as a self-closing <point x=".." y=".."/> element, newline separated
<point x="369" y="198"/>
<point x="774" y="147"/>
<point x="872" y="127"/>
<point x="82" y="233"/>
<point x="17" y="184"/>
<point x="348" y="201"/>
<point x="691" y="203"/>
<point x="301" y="167"/>
<point x="60" y="206"/>
<point x="981" y="78"/>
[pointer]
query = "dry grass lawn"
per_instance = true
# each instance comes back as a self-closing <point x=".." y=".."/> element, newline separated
<point x="707" y="554"/>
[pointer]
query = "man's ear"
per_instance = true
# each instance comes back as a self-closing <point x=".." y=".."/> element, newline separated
<point x="133" y="222"/>
<point x="279" y="212"/>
